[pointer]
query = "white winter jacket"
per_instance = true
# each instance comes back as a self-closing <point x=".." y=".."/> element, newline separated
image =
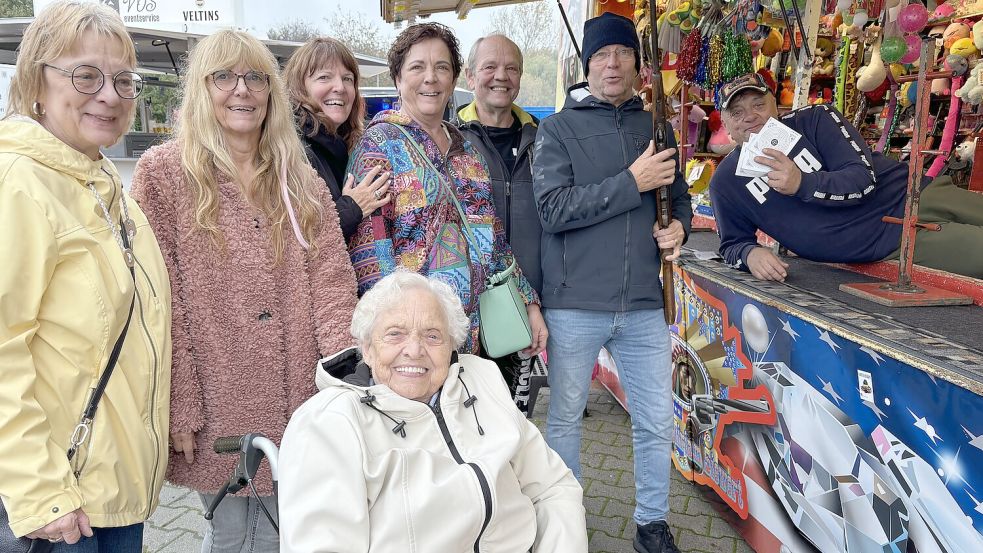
<point x="366" y="470"/>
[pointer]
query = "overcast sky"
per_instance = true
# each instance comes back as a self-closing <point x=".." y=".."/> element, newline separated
<point x="263" y="14"/>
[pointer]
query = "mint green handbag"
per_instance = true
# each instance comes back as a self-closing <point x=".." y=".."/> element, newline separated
<point x="504" y="323"/>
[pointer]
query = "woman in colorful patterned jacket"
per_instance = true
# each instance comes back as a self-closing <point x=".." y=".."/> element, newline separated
<point x="433" y="169"/>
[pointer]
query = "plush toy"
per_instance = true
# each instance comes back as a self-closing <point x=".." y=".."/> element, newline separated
<point x="959" y="65"/>
<point x="870" y="76"/>
<point x="955" y="31"/>
<point x="966" y="151"/>
<point x="698" y="182"/>
<point x="972" y="91"/>
<point x="977" y="34"/>
<point x="787" y="95"/>
<point x="943" y="10"/>
<point x="823" y="63"/>
<point x="773" y="43"/>
<point x="769" y="78"/>
<point x="964" y="47"/>
<point x="695" y="115"/>
<point x="720" y="141"/>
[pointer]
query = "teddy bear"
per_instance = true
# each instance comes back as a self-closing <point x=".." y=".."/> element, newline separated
<point x="823" y="63"/>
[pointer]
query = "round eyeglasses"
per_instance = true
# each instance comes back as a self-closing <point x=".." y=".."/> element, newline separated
<point x="89" y="80"/>
<point x="226" y="80"/>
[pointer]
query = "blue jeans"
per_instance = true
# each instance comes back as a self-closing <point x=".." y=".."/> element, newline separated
<point x="125" y="539"/>
<point x="240" y="526"/>
<point x="639" y="343"/>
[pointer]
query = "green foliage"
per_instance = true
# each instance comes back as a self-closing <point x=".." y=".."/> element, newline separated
<point x="538" y="79"/>
<point x="16" y="8"/>
<point x="162" y="101"/>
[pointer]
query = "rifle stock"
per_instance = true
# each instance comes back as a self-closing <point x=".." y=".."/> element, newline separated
<point x="663" y="198"/>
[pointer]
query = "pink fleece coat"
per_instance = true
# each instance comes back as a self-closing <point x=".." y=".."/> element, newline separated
<point x="246" y="332"/>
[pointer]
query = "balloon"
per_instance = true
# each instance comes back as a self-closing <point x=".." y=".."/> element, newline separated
<point x="843" y="5"/>
<point x="913" y="18"/>
<point x="860" y="18"/>
<point x="893" y="49"/>
<point x="914" y="44"/>
<point x="755" y="328"/>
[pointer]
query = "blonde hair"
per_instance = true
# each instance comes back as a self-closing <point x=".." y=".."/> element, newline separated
<point x="204" y="150"/>
<point x="53" y="33"/>
<point x="316" y="54"/>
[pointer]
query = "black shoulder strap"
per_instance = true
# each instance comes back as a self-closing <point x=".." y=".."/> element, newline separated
<point x="82" y="430"/>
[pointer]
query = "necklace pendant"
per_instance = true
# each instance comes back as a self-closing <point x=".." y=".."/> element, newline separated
<point x="131" y="228"/>
<point x="128" y="256"/>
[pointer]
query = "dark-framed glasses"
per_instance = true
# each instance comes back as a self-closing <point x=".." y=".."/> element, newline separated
<point x="227" y="80"/>
<point x="89" y="80"/>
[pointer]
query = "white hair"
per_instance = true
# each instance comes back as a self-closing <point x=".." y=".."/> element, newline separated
<point x="473" y="54"/>
<point x="391" y="290"/>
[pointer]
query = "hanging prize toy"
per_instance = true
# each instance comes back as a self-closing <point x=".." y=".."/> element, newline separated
<point x="737" y="56"/>
<point x="952" y="119"/>
<point x="689" y="57"/>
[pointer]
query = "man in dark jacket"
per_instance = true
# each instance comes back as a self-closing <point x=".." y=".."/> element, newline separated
<point x="825" y="199"/>
<point x="504" y="135"/>
<point x="595" y="177"/>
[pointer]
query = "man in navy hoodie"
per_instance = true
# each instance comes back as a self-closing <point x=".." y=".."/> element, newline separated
<point x="595" y="175"/>
<point x="825" y="199"/>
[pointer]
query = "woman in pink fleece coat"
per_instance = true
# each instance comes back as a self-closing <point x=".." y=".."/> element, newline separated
<point x="262" y="282"/>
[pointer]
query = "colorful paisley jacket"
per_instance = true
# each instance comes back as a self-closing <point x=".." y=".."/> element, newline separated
<point x="420" y="228"/>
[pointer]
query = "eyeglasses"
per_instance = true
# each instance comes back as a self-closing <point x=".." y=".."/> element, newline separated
<point x="89" y="80"/>
<point x="226" y="80"/>
<point x="623" y="54"/>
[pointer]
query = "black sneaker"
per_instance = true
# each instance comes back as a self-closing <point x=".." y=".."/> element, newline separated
<point x="655" y="537"/>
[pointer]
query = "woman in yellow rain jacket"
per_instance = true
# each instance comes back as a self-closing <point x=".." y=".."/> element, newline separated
<point x="66" y="290"/>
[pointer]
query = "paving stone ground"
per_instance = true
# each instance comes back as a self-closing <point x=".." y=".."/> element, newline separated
<point x="697" y="519"/>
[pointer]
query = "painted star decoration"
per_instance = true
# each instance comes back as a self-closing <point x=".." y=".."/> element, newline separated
<point x="825" y="337"/>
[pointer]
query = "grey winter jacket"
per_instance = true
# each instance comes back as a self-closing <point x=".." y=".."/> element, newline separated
<point x="598" y="252"/>
<point x="514" y="201"/>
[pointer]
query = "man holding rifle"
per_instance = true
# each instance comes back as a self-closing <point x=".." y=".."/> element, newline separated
<point x="595" y="176"/>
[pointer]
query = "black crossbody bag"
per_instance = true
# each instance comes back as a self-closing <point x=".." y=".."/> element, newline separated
<point x="8" y="542"/>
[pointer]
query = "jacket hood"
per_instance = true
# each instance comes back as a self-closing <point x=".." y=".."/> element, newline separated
<point x="24" y="136"/>
<point x="341" y="371"/>
<point x="469" y="113"/>
<point x="579" y="97"/>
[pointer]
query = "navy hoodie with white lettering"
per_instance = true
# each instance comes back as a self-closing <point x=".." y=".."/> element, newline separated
<point x="836" y="214"/>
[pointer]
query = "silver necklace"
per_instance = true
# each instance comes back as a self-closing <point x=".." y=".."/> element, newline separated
<point x="128" y="224"/>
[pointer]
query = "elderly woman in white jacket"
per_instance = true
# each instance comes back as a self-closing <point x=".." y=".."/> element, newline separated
<point x="418" y="448"/>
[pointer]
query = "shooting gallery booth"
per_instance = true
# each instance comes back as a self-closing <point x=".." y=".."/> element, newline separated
<point x="822" y="420"/>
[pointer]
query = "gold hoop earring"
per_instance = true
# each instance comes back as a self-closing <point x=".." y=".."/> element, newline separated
<point x="37" y="109"/>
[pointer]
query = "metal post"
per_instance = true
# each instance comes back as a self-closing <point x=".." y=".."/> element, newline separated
<point x="915" y="168"/>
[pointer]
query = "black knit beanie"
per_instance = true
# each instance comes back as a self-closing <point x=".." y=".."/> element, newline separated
<point x="609" y="28"/>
